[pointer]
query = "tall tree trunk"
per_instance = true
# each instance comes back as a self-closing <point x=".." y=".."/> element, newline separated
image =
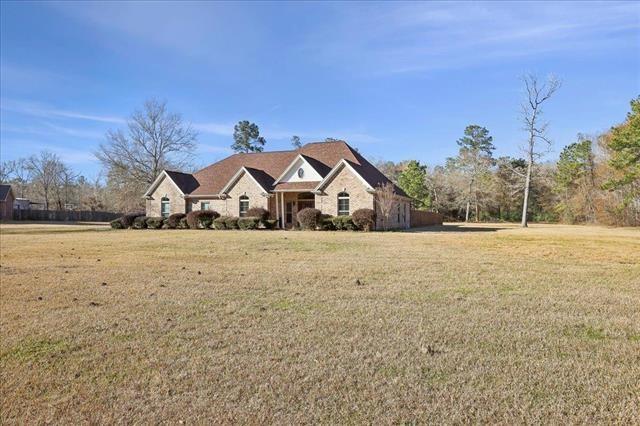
<point x="477" y="212"/>
<point x="527" y="185"/>
<point x="466" y="216"/>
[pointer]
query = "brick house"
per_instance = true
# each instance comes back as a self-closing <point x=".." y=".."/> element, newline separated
<point x="329" y="176"/>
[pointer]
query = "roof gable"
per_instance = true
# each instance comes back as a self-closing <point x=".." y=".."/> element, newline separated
<point x="334" y="172"/>
<point x="5" y="190"/>
<point x="254" y="174"/>
<point x="301" y="162"/>
<point x="184" y="182"/>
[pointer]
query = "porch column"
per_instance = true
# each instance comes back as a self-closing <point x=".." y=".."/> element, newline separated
<point x="282" y="207"/>
<point x="277" y="210"/>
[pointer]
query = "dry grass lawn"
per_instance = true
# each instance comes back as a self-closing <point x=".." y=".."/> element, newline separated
<point x="459" y="324"/>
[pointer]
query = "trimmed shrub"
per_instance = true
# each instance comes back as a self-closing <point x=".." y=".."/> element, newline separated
<point x="270" y="223"/>
<point x="343" y="223"/>
<point x="139" y="222"/>
<point x="127" y="219"/>
<point x="117" y="223"/>
<point x="309" y="218"/>
<point x="154" y="222"/>
<point x="182" y="223"/>
<point x="258" y="212"/>
<point x="364" y="219"/>
<point x="231" y="222"/>
<point x="201" y="219"/>
<point x="174" y="220"/>
<point x="248" y="222"/>
<point x="219" y="222"/>
<point x="326" y="223"/>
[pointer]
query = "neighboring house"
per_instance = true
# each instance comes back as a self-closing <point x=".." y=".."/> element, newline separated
<point x="6" y="202"/>
<point x="329" y="176"/>
<point x="21" y="204"/>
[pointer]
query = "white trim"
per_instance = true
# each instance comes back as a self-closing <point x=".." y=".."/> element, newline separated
<point x="237" y="176"/>
<point x="312" y="190"/>
<point x="157" y="182"/>
<point x="336" y="169"/>
<point x="290" y="166"/>
<point x="206" y="196"/>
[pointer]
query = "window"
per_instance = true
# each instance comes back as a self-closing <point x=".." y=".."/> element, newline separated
<point x="244" y="205"/>
<point x="343" y="204"/>
<point x="300" y="172"/>
<point x="204" y="205"/>
<point x="398" y="213"/>
<point x="165" y="207"/>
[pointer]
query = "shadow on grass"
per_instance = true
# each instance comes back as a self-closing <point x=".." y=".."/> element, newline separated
<point x="454" y="228"/>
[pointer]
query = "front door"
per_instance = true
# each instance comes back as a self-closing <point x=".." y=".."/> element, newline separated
<point x="288" y="214"/>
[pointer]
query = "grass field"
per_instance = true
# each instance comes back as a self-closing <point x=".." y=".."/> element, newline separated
<point x="485" y="323"/>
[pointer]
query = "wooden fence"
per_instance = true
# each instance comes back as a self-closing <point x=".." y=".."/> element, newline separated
<point x="423" y="218"/>
<point x="65" y="215"/>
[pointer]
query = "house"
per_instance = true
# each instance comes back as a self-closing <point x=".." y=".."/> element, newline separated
<point x="329" y="176"/>
<point x="6" y="202"/>
<point x="22" y="204"/>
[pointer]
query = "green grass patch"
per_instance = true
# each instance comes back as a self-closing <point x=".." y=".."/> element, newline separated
<point x="34" y="350"/>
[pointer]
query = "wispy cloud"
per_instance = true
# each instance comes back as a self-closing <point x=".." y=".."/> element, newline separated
<point x="409" y="37"/>
<point x="68" y="155"/>
<point x="50" y="129"/>
<point x="40" y="110"/>
<point x="214" y="149"/>
<point x="222" y="129"/>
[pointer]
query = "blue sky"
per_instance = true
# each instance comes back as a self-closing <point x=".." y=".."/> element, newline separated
<point x="396" y="80"/>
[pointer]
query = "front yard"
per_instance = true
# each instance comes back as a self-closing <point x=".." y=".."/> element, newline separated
<point x="487" y="323"/>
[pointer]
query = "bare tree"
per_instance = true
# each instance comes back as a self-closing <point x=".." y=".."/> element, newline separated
<point x="537" y="94"/>
<point x="66" y="187"/>
<point x="21" y="176"/>
<point x="7" y="170"/>
<point x="155" y="140"/>
<point x="386" y="200"/>
<point x="45" y="171"/>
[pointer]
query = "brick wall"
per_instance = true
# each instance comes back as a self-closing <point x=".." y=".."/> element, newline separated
<point x="423" y="218"/>
<point x="345" y="181"/>
<point x="400" y="217"/>
<point x="230" y="206"/>
<point x="169" y="189"/>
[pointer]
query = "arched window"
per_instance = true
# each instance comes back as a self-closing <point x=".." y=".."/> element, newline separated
<point x="244" y="205"/>
<point x="165" y="207"/>
<point x="343" y="204"/>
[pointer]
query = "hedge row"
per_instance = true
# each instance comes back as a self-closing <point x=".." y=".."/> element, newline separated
<point x="313" y="219"/>
<point x="200" y="219"/>
<point x="309" y="219"/>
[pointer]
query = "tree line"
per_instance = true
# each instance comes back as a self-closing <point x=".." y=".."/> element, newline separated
<point x="596" y="179"/>
<point x="46" y="179"/>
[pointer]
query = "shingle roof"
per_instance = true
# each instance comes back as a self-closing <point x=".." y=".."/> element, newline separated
<point x="4" y="192"/>
<point x="265" y="167"/>
<point x="261" y="177"/>
<point x="185" y="181"/>
<point x="213" y="178"/>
